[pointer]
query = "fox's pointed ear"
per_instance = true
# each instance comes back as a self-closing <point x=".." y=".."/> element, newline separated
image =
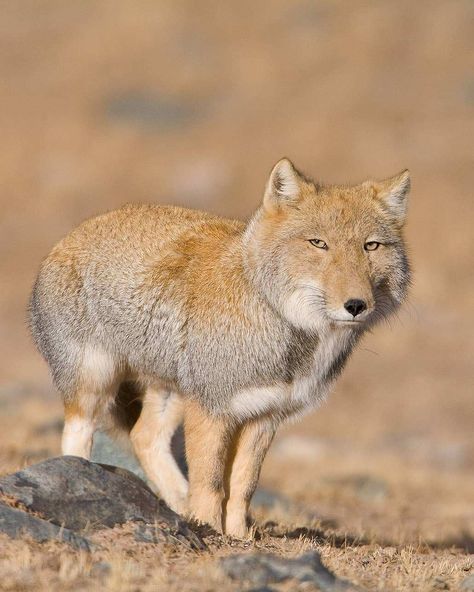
<point x="393" y="193"/>
<point x="283" y="186"/>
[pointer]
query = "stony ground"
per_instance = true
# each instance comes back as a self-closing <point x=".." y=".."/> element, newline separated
<point x="107" y="102"/>
<point x="396" y="515"/>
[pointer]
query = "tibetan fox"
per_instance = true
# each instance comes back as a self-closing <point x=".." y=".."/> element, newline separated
<point x="229" y="327"/>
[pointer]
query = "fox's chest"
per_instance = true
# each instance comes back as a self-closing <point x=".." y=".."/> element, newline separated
<point x="306" y="390"/>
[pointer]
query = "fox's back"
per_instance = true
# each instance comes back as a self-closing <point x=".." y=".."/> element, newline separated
<point x="138" y="233"/>
<point x="111" y="255"/>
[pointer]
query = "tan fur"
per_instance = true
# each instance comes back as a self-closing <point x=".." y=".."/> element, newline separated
<point x="245" y="457"/>
<point x="207" y="439"/>
<point x="151" y="437"/>
<point x="149" y="313"/>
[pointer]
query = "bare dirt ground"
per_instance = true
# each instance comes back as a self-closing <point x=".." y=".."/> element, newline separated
<point x="191" y="103"/>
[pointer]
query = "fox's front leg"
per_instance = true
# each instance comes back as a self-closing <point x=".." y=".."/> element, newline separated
<point x="207" y="440"/>
<point x="244" y="462"/>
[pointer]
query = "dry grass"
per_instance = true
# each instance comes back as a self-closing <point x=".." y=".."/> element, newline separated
<point x="378" y="521"/>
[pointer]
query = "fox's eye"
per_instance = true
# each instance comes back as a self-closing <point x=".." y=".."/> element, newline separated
<point x="371" y="246"/>
<point x="316" y="242"/>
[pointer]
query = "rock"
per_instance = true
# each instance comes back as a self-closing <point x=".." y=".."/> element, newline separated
<point x="263" y="569"/>
<point x="419" y="448"/>
<point x="77" y="494"/>
<point x="73" y="492"/>
<point x="305" y="15"/>
<point x="440" y="584"/>
<point x="106" y="451"/>
<point x="17" y="523"/>
<point x="149" y="533"/>
<point x="468" y="584"/>
<point x="264" y="498"/>
<point x="365" y="487"/>
<point x="99" y="569"/>
<point x="157" y="111"/>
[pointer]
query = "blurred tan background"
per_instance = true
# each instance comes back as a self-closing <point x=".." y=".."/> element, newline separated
<point x="105" y="102"/>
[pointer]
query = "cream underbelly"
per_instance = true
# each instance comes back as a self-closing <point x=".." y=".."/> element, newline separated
<point x="303" y="394"/>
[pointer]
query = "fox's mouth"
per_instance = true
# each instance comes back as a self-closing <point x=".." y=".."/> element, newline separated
<point x="348" y="321"/>
<point x="359" y="320"/>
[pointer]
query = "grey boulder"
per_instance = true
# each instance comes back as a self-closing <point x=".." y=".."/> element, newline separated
<point x="17" y="524"/>
<point x="76" y="494"/>
<point x="261" y="569"/>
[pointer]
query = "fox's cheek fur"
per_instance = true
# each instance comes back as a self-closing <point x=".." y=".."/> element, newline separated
<point x="390" y="276"/>
<point x="305" y="306"/>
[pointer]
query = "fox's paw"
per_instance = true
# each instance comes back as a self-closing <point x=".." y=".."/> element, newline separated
<point x="236" y="525"/>
<point x="179" y="504"/>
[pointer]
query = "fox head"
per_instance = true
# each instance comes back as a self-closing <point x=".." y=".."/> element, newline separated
<point x="330" y="255"/>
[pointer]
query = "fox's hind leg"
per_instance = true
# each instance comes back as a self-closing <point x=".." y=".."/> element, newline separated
<point x="151" y="436"/>
<point x="88" y="396"/>
<point x="79" y="426"/>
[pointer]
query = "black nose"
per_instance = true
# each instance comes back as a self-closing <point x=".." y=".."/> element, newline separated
<point x="355" y="306"/>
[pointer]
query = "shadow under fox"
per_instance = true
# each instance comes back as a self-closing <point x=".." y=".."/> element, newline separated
<point x="230" y="327"/>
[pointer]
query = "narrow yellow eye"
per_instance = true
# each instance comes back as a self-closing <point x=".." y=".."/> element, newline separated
<point x="371" y="246"/>
<point x="316" y="242"/>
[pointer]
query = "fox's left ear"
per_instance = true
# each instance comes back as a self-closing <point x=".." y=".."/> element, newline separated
<point x="283" y="186"/>
<point x="393" y="193"/>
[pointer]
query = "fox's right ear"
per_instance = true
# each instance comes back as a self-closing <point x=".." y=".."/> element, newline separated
<point x="283" y="186"/>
